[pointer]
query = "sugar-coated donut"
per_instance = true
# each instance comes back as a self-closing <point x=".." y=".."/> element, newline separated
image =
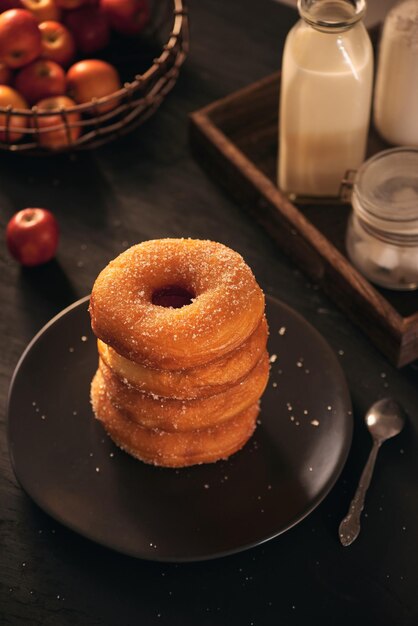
<point x="198" y="382"/>
<point x="182" y="351"/>
<point x="226" y="303"/>
<point x="184" y="415"/>
<point x="168" y="449"/>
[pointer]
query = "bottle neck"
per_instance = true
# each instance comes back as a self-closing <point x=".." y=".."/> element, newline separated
<point x="332" y="16"/>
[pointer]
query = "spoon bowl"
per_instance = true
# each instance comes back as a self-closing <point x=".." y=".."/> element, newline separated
<point x="385" y="419"/>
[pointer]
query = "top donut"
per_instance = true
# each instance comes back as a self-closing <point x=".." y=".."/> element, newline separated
<point x="218" y="303"/>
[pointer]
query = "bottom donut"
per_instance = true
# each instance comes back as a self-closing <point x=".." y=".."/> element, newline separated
<point x="172" y="449"/>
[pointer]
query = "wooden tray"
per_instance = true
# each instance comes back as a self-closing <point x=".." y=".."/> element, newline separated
<point x="235" y="139"/>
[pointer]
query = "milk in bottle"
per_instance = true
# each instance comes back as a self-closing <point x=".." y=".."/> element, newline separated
<point x="325" y="102"/>
<point x="396" y="95"/>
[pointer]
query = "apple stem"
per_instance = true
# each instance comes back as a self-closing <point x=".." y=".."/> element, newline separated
<point x="28" y="217"/>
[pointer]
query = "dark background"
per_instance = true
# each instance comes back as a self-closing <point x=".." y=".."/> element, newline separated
<point x="147" y="185"/>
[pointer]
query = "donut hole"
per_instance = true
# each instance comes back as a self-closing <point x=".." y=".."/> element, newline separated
<point x="172" y="296"/>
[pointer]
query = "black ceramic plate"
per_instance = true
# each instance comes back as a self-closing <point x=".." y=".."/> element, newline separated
<point x="72" y="470"/>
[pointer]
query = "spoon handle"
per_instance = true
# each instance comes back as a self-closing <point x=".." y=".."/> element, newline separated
<point x="350" y="526"/>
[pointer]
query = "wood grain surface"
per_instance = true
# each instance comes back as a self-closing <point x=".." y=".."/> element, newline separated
<point x="149" y="185"/>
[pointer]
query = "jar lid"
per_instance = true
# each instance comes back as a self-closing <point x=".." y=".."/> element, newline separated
<point x="385" y="190"/>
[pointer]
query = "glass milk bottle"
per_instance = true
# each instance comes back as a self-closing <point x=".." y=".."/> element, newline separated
<point x="325" y="102"/>
<point x="396" y="95"/>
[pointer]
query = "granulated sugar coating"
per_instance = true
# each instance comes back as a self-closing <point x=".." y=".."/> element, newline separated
<point x="173" y="415"/>
<point x="172" y="449"/>
<point x="226" y="307"/>
<point x="182" y="351"/>
<point x="197" y="382"/>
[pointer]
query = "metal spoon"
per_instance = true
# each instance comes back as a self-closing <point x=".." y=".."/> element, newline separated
<point x="384" y="419"/>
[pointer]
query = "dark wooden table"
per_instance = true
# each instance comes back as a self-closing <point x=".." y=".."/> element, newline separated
<point x="147" y="185"/>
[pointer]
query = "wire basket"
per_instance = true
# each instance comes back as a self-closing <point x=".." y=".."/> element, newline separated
<point x="158" y="53"/>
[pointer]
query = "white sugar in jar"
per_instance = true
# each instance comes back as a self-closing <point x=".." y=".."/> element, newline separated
<point x="382" y="233"/>
<point x="396" y="93"/>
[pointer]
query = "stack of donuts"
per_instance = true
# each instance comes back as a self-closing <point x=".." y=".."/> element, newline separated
<point x="182" y="351"/>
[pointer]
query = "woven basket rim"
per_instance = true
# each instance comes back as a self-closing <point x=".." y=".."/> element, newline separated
<point x="134" y="98"/>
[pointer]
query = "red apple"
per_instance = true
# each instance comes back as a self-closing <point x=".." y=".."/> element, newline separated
<point x="5" y="74"/>
<point x="11" y="98"/>
<point x="41" y="79"/>
<point x="32" y="236"/>
<point x="20" y="39"/>
<point x="92" y="78"/>
<point x="43" y="10"/>
<point x="59" y="136"/>
<point x="70" y="4"/>
<point x="128" y="17"/>
<point x="57" y="43"/>
<point x="90" y="28"/>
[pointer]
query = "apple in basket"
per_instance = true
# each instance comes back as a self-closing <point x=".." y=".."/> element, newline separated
<point x="5" y="5"/>
<point x="5" y="74"/>
<point x="20" y="39"/>
<point x="70" y="4"/>
<point x="92" y="78"/>
<point x="62" y="134"/>
<point x="10" y="97"/>
<point x="32" y="236"/>
<point x="89" y="27"/>
<point x="42" y="10"/>
<point x="128" y="17"/>
<point x="41" y="79"/>
<point x="57" y="43"/>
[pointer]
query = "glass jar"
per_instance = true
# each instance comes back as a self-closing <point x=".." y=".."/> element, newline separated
<point x="396" y="93"/>
<point x="382" y="233"/>
<point x="325" y="99"/>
